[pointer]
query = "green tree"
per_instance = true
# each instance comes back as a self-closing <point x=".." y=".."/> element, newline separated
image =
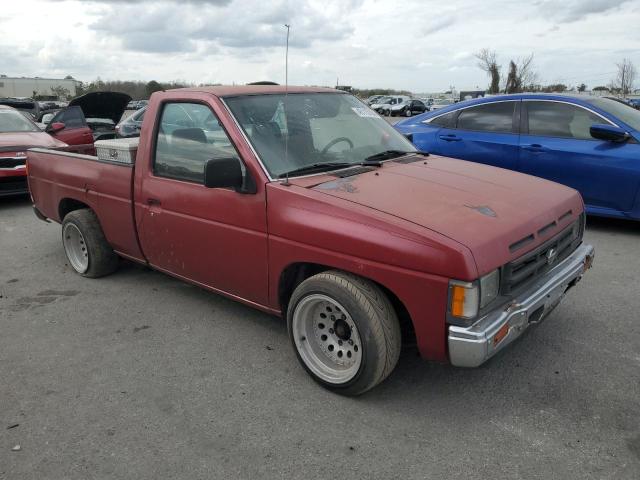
<point x="153" y="86"/>
<point x="60" y="92"/>
<point x="582" y="87"/>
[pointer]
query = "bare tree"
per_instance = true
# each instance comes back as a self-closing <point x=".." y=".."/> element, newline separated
<point x="521" y="75"/>
<point x="526" y="74"/>
<point x="487" y="62"/>
<point x="626" y="77"/>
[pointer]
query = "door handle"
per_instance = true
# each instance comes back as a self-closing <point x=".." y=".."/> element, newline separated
<point x="535" y="147"/>
<point x="153" y="201"/>
<point x="450" y="138"/>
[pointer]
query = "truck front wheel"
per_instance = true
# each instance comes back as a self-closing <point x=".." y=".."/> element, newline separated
<point x="345" y="331"/>
<point x="85" y="245"/>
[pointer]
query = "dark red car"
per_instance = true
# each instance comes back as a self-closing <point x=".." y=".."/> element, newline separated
<point x="88" y="118"/>
<point x="17" y="135"/>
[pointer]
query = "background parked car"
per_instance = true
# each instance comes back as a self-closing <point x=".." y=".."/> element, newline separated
<point x="589" y="143"/>
<point x="373" y="99"/>
<point x="17" y="134"/>
<point x="635" y="103"/>
<point x="130" y="126"/>
<point x="45" y="118"/>
<point x="441" y="103"/>
<point x="90" y="117"/>
<point x="408" y="108"/>
<point x="137" y="104"/>
<point x="384" y="108"/>
<point x="23" y="104"/>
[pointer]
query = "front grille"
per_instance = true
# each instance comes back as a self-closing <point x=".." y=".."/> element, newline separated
<point x="12" y="162"/>
<point x="13" y="185"/>
<point x="532" y="265"/>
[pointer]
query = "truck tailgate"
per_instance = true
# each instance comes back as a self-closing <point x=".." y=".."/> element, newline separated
<point x="58" y="180"/>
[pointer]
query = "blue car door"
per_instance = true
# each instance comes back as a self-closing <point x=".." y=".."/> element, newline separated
<point x="556" y="144"/>
<point x="485" y="133"/>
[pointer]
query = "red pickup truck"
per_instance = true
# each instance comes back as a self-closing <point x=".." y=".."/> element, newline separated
<point x="304" y="203"/>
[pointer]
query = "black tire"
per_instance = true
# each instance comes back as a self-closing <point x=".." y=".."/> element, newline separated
<point x="375" y="318"/>
<point x="102" y="260"/>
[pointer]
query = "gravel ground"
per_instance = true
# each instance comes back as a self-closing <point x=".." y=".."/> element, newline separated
<point x="138" y="375"/>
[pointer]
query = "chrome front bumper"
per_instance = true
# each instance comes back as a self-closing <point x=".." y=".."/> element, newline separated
<point x="472" y="346"/>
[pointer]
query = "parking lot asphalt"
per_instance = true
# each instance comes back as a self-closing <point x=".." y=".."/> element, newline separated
<point x="138" y="375"/>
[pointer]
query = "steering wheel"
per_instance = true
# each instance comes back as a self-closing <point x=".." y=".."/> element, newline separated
<point x="336" y="141"/>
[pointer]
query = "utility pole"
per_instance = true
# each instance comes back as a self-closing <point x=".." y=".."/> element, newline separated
<point x="286" y="58"/>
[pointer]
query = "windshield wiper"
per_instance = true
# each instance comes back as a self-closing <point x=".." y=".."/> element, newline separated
<point x="316" y="167"/>
<point x="375" y="159"/>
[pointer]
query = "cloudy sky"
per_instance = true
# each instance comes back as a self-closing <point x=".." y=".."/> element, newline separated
<point x="419" y="45"/>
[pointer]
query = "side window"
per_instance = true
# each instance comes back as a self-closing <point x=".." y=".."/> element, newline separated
<point x="446" y="121"/>
<point x="188" y="136"/>
<point x="553" y="119"/>
<point x="490" y="117"/>
<point x="72" y="117"/>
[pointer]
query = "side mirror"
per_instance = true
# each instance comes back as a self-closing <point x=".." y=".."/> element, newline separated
<point x="55" y="127"/>
<point x="223" y="173"/>
<point x="610" y="133"/>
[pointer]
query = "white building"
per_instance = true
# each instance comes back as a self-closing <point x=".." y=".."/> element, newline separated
<point x="45" y="87"/>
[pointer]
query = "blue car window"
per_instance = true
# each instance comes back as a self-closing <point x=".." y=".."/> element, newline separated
<point x="489" y="117"/>
<point x="554" y="119"/>
<point x="446" y="121"/>
<point x="628" y="115"/>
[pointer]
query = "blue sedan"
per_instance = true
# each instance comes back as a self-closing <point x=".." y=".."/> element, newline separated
<point x="588" y="143"/>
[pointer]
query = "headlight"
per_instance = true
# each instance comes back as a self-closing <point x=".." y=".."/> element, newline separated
<point x="468" y="298"/>
<point x="489" y="288"/>
<point x="464" y="299"/>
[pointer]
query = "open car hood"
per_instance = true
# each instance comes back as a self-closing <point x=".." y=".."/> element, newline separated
<point x="102" y="104"/>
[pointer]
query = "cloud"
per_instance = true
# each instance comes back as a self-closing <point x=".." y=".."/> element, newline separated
<point x="365" y="43"/>
<point x="439" y="24"/>
<point x="568" y="11"/>
<point x="173" y="27"/>
<point x="157" y="42"/>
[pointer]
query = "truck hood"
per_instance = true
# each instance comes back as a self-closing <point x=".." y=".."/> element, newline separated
<point x="102" y="104"/>
<point x="498" y="214"/>
<point x="20" y="141"/>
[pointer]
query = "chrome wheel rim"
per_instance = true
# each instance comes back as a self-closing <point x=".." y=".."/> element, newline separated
<point x="75" y="247"/>
<point x="327" y="338"/>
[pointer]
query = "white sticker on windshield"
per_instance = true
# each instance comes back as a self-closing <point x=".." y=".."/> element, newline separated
<point x="364" y="112"/>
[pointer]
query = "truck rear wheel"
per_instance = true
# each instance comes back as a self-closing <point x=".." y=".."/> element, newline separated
<point x="345" y="331"/>
<point x="85" y="245"/>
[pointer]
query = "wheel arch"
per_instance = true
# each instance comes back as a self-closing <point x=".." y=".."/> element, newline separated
<point x="295" y="273"/>
<point x="68" y="205"/>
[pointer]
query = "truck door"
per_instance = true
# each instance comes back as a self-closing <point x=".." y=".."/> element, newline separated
<point x="215" y="237"/>
<point x="76" y="133"/>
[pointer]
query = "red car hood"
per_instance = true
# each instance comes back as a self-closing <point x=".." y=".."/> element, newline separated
<point x="487" y="209"/>
<point x="20" y="141"/>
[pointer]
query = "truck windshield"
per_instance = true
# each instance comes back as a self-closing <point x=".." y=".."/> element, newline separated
<point x="14" y="121"/>
<point x="302" y="129"/>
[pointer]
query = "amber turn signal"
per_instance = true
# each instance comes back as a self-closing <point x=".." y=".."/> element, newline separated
<point x="457" y="300"/>
<point x="504" y="330"/>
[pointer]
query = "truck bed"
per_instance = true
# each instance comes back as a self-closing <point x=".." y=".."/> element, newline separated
<point x="58" y="180"/>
